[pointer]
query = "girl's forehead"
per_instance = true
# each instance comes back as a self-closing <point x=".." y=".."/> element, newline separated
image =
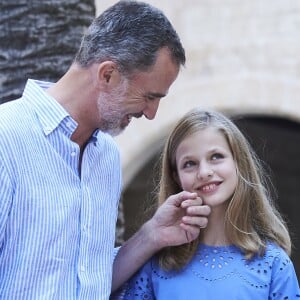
<point x="203" y="141"/>
<point x="209" y="133"/>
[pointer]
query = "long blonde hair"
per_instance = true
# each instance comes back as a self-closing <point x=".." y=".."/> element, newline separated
<point x="252" y="218"/>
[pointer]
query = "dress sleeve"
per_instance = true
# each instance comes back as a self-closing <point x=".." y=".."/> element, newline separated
<point x="138" y="287"/>
<point x="284" y="283"/>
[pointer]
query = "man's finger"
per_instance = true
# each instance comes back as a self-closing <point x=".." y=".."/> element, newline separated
<point x="182" y="196"/>
<point x="195" y="221"/>
<point x="199" y="210"/>
<point x="192" y="202"/>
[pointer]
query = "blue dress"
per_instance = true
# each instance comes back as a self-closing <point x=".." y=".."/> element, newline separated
<point x="218" y="273"/>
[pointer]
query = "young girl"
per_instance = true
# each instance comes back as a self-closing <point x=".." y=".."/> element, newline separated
<point x="244" y="251"/>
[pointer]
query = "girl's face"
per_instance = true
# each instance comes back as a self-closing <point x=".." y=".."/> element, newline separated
<point x="205" y="165"/>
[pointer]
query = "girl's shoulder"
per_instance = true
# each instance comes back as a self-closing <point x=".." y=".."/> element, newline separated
<point x="275" y="252"/>
<point x="277" y="257"/>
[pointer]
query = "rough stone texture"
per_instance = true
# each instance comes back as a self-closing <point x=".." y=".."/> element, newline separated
<point x="38" y="39"/>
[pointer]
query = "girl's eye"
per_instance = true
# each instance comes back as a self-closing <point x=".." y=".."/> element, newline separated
<point x="216" y="156"/>
<point x="188" y="164"/>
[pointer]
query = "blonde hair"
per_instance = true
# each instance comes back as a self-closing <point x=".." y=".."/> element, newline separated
<point x="252" y="219"/>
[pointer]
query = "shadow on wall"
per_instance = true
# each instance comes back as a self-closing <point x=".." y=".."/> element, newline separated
<point x="277" y="143"/>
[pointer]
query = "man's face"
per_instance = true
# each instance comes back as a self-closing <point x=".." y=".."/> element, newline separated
<point x="137" y="97"/>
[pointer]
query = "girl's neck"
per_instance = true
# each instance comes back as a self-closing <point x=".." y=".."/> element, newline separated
<point x="214" y="234"/>
<point x="214" y="241"/>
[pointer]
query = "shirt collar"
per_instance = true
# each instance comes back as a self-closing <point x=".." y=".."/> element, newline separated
<point x="49" y="112"/>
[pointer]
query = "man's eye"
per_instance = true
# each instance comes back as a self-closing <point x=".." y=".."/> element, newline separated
<point x="149" y="97"/>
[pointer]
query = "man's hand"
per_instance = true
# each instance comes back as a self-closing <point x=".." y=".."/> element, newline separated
<point x="178" y="220"/>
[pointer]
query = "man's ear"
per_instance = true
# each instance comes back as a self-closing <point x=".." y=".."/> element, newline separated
<point x="108" y="73"/>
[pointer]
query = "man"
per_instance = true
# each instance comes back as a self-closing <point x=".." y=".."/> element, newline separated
<point x="60" y="177"/>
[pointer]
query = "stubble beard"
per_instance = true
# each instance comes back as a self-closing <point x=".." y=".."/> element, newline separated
<point x="110" y="109"/>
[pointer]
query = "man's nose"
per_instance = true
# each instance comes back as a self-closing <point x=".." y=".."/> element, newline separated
<point x="151" y="109"/>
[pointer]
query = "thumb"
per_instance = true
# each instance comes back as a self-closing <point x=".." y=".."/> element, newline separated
<point x="177" y="199"/>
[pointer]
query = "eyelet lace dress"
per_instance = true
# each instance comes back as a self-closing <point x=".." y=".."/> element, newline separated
<point x="217" y="273"/>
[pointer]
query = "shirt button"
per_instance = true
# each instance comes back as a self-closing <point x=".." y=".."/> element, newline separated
<point x="73" y="153"/>
<point x="82" y="268"/>
<point x="47" y="129"/>
<point x="69" y="124"/>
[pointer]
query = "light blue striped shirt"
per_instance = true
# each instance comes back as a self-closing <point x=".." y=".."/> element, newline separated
<point x="57" y="227"/>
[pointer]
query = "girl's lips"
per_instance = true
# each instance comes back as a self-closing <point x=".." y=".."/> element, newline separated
<point x="209" y="187"/>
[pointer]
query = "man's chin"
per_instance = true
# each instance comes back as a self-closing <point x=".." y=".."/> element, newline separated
<point x="119" y="129"/>
<point x="115" y="131"/>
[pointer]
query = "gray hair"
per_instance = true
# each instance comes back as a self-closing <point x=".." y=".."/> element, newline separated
<point x="130" y="33"/>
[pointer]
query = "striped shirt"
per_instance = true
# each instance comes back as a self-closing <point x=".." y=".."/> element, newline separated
<point x="57" y="227"/>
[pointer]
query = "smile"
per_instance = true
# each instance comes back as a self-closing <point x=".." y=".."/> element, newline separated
<point x="207" y="188"/>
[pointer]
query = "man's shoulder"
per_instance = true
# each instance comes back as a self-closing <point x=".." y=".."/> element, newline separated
<point x="13" y="114"/>
<point x="18" y="124"/>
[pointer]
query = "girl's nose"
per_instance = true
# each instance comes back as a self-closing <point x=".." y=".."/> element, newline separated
<point x="205" y="171"/>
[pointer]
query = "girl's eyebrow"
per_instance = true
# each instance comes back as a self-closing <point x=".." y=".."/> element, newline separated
<point x="216" y="149"/>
